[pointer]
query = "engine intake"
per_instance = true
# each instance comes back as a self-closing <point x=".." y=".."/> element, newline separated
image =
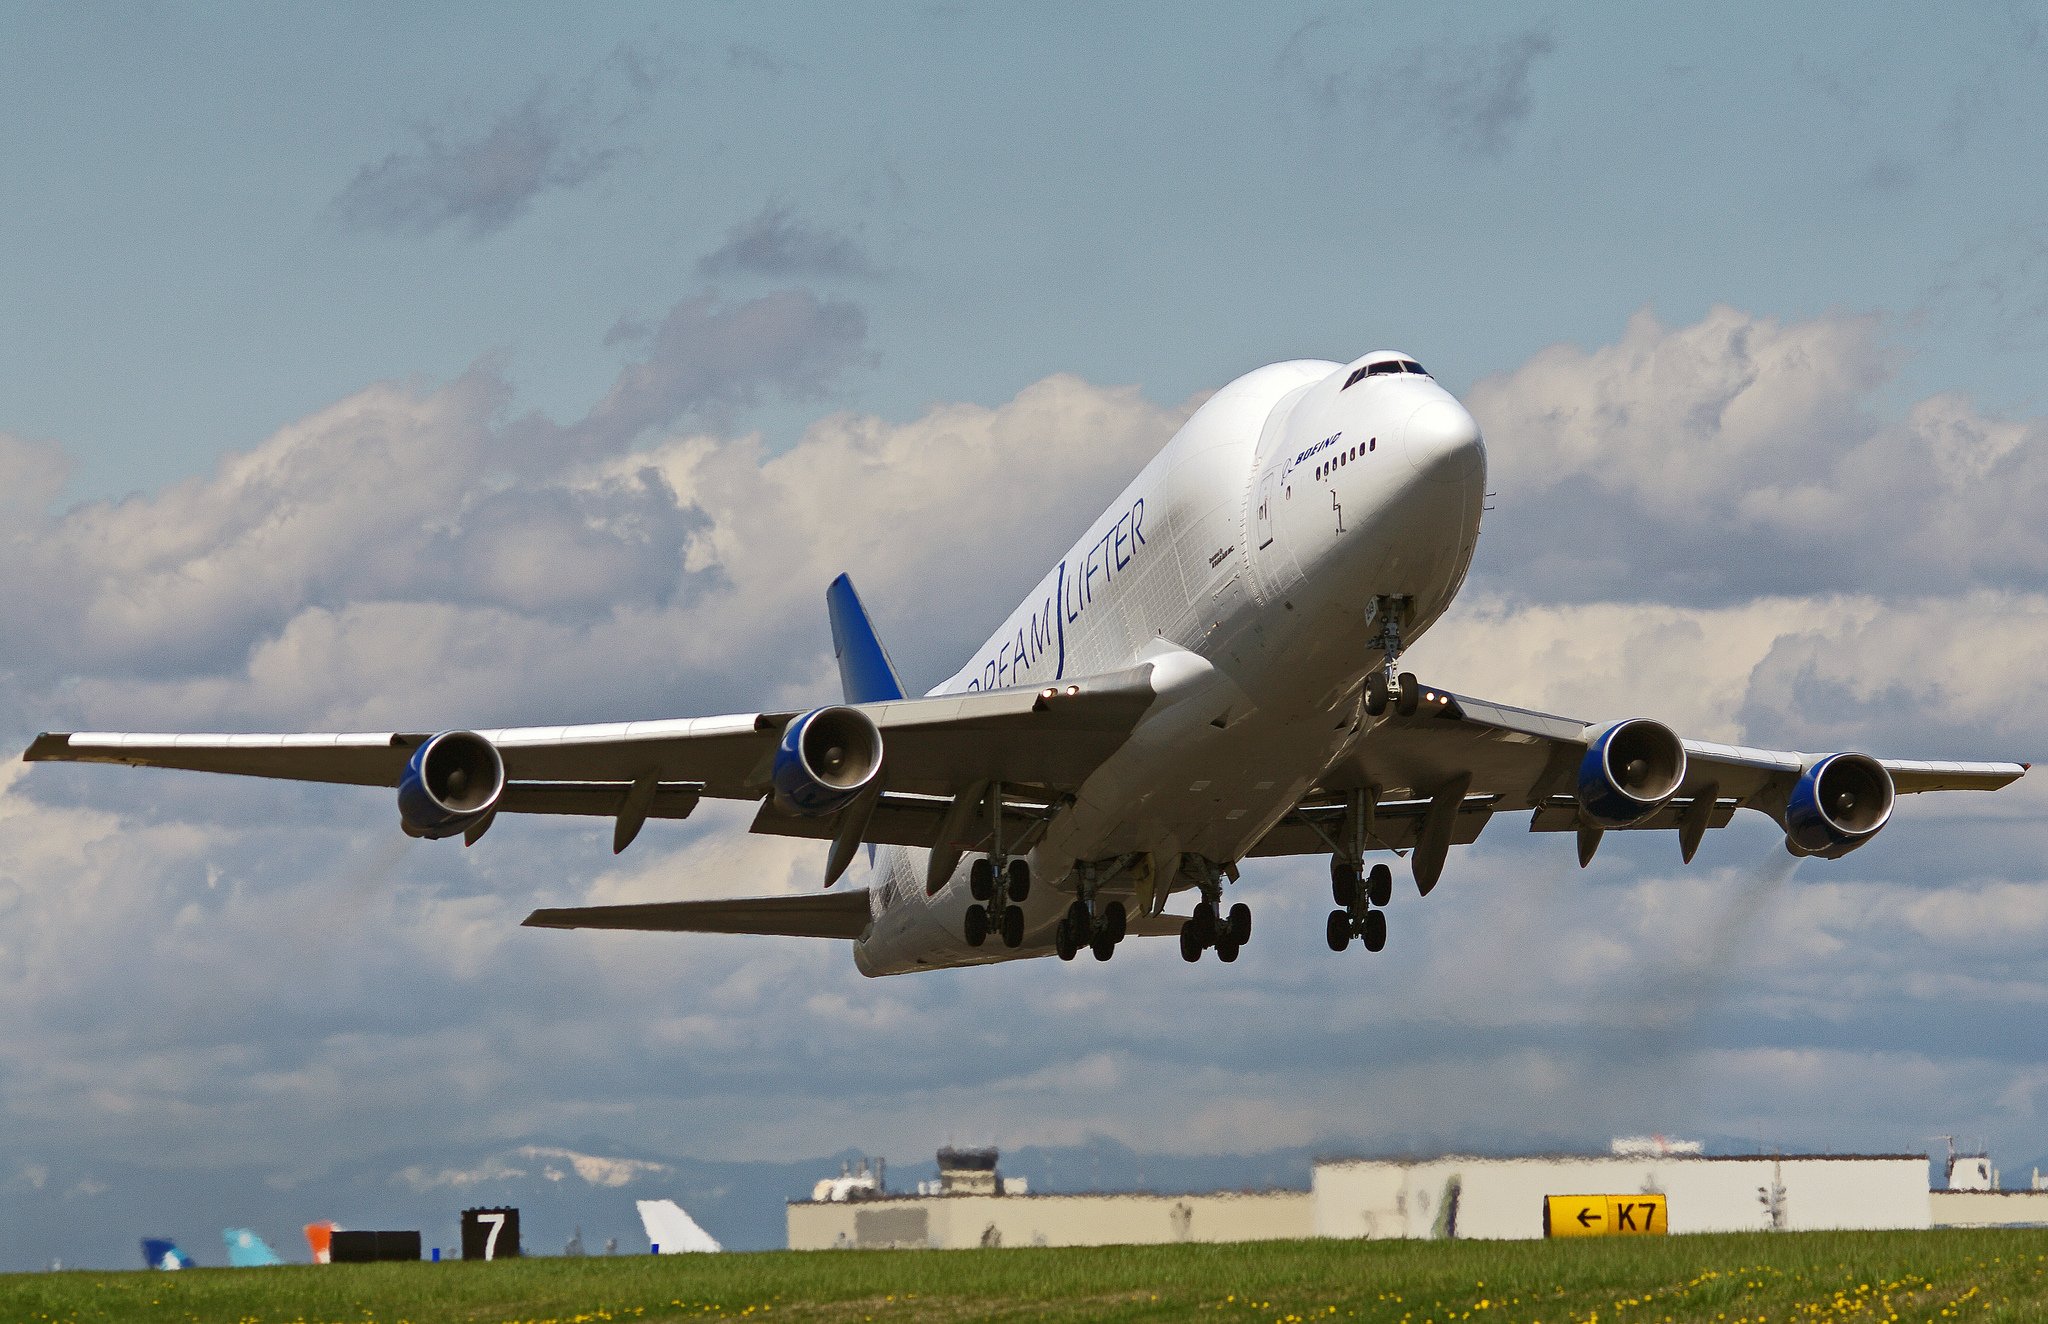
<point x="1629" y="771"/>
<point x="827" y="757"/>
<point x="451" y="782"/>
<point x="1838" y="804"/>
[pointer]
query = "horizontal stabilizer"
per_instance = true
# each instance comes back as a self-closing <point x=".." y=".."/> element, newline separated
<point x="825" y="915"/>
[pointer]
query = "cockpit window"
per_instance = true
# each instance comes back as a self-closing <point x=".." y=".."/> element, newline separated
<point x="1381" y="369"/>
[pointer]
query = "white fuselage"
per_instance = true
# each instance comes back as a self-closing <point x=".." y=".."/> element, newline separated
<point x="1241" y="562"/>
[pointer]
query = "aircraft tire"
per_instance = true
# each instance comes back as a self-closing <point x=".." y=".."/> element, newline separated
<point x="1204" y="924"/>
<point x="1115" y="920"/>
<point x="1013" y="926"/>
<point x="1190" y="943"/>
<point x="1226" y="950"/>
<point x="981" y="879"/>
<point x="1081" y="922"/>
<point x="1240" y="924"/>
<point x="1410" y="697"/>
<point x="1063" y="940"/>
<point x="1343" y="881"/>
<point x="1375" y="930"/>
<point x="1338" y="931"/>
<point x="1376" y="694"/>
<point x="1020" y="879"/>
<point x="1379" y="885"/>
<point x="1103" y="947"/>
<point x="976" y="927"/>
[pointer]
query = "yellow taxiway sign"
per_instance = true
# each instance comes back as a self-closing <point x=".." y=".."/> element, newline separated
<point x="1604" y="1216"/>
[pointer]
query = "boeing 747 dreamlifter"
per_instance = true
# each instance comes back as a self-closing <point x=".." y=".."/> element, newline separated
<point x="1210" y="675"/>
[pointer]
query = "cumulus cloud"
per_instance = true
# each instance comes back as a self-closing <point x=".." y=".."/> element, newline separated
<point x="778" y="242"/>
<point x="479" y="174"/>
<point x="1743" y="455"/>
<point x="1469" y="95"/>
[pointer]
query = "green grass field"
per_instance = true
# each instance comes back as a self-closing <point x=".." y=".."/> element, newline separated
<point x="1748" y="1279"/>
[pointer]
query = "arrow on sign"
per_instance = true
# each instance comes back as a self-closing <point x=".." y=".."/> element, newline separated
<point x="1587" y="1218"/>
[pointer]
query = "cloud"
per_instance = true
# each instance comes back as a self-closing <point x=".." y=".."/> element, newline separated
<point x="1469" y="95"/>
<point x="710" y="358"/>
<point x="777" y="242"/>
<point x="1743" y="455"/>
<point x="397" y="502"/>
<point x="479" y="175"/>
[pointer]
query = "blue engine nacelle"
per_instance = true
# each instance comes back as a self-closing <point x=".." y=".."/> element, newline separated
<point x="827" y="757"/>
<point x="1838" y="804"/>
<point x="451" y="782"/>
<point x="1629" y="771"/>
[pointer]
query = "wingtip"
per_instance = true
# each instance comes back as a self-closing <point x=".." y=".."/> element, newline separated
<point x="48" y="745"/>
<point x="542" y="919"/>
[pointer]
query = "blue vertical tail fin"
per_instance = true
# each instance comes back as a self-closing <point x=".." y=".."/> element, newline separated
<point x="865" y="672"/>
<point x="163" y="1253"/>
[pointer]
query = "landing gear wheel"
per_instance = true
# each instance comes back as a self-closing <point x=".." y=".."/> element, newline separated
<point x="1226" y="950"/>
<point x="1203" y="923"/>
<point x="1190" y="943"/>
<point x="1113" y="920"/>
<point x="1240" y="924"/>
<point x="1410" y="697"/>
<point x="1379" y="885"/>
<point x="1343" y="881"/>
<point x="976" y="931"/>
<point x="1081" y="922"/>
<point x="1013" y="926"/>
<point x="1338" y="931"/>
<point x="1376" y="694"/>
<point x="1375" y="930"/>
<point x="1020" y="880"/>
<point x="981" y="879"/>
<point x="1104" y="947"/>
<point x="1063" y="940"/>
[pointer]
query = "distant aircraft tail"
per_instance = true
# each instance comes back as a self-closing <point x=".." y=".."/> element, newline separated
<point x="670" y="1230"/>
<point x="865" y="672"/>
<point x="163" y="1253"/>
<point x="246" y="1250"/>
<point x="320" y="1240"/>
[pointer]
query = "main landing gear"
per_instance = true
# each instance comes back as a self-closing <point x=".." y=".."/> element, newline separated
<point x="1082" y="926"/>
<point x="1210" y="926"/>
<point x="1359" y="898"/>
<point x="998" y="887"/>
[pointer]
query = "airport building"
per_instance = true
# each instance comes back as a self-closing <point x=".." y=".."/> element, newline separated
<point x="1482" y="1198"/>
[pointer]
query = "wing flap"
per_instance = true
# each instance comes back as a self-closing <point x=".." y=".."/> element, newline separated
<point x="597" y="799"/>
<point x="823" y="915"/>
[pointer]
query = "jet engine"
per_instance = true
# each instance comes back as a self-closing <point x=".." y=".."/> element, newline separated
<point x="827" y="757"/>
<point x="451" y="782"/>
<point x="1629" y="771"/>
<point x="1838" y="804"/>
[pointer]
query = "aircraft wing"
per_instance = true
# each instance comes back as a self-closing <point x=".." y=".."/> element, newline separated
<point x="1436" y="776"/>
<point x="938" y="746"/>
<point x="820" y="915"/>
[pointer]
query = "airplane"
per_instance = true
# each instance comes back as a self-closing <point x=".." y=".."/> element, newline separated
<point x="163" y="1253"/>
<point x="671" y="1231"/>
<point x="1210" y="676"/>
<point x="246" y="1250"/>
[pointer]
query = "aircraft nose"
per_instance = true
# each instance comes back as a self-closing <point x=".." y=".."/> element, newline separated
<point x="1442" y="442"/>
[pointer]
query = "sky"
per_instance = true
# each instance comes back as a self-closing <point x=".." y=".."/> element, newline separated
<point x="378" y="367"/>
